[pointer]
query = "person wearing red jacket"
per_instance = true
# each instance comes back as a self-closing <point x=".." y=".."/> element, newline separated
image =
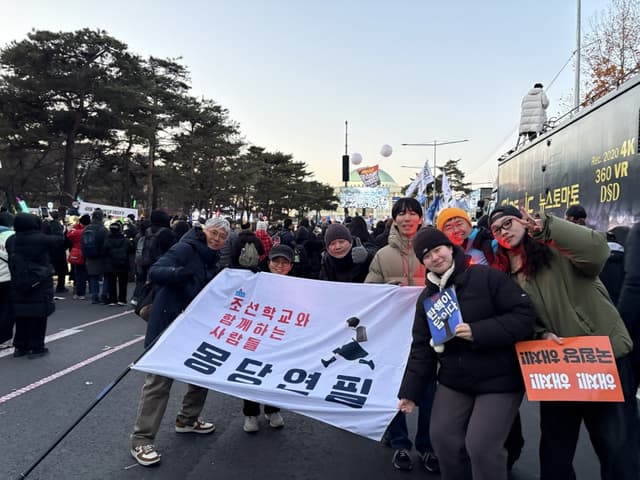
<point x="76" y="259"/>
<point x="263" y="236"/>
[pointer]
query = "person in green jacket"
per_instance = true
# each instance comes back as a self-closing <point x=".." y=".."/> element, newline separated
<point x="557" y="263"/>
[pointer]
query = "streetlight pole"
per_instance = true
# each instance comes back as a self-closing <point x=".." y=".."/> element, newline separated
<point x="576" y="87"/>
<point x="345" y="157"/>
<point x="345" y="163"/>
<point x="435" y="144"/>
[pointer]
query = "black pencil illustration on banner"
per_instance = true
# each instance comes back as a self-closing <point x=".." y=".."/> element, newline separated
<point x="353" y="350"/>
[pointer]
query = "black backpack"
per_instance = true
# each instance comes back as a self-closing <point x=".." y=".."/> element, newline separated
<point x="119" y="252"/>
<point x="147" y="248"/>
<point x="27" y="274"/>
<point x="89" y="243"/>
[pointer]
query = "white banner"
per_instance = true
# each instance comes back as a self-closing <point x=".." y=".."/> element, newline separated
<point x="364" y="197"/>
<point x="120" y="212"/>
<point x="447" y="193"/>
<point x="413" y="186"/>
<point x="331" y="351"/>
<point x="427" y="177"/>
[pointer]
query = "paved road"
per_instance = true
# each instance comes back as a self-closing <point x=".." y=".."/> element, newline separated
<point x="92" y="344"/>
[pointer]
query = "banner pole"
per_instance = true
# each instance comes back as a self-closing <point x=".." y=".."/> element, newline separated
<point x="99" y="398"/>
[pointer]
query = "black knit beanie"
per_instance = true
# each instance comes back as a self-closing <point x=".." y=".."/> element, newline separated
<point x="427" y="239"/>
<point x="97" y="215"/>
<point x="337" y="231"/>
<point x="160" y="218"/>
<point x="504" y="211"/>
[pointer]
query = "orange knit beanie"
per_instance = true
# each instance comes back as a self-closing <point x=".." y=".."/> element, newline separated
<point x="448" y="213"/>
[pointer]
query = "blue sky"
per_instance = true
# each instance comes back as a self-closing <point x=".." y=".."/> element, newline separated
<point x="291" y="72"/>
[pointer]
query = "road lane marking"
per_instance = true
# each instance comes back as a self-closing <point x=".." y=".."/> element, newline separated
<point x="69" y="331"/>
<point x="62" y="373"/>
<point x="100" y="320"/>
<point x="104" y="319"/>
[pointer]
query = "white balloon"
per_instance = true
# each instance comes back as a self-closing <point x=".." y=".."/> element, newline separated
<point x="356" y="158"/>
<point x="386" y="150"/>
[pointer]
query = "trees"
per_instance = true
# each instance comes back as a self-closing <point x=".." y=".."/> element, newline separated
<point x="275" y="185"/>
<point x="204" y="144"/>
<point x="164" y="85"/>
<point x="81" y="114"/>
<point x="69" y="80"/>
<point x="612" y="48"/>
<point x="455" y="176"/>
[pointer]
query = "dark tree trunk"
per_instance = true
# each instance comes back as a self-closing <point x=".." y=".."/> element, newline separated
<point x="69" y="186"/>
<point x="150" y="190"/>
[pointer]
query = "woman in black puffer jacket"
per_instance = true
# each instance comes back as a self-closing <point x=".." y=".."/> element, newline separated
<point x="116" y="250"/>
<point x="30" y="252"/>
<point x="479" y="382"/>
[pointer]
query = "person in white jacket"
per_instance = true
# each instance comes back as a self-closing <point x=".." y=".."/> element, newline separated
<point x="533" y="113"/>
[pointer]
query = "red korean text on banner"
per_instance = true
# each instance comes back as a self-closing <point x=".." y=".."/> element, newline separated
<point x="582" y="369"/>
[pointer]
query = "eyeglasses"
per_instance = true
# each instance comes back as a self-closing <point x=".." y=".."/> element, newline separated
<point x="215" y="234"/>
<point x="506" y="225"/>
<point x="453" y="225"/>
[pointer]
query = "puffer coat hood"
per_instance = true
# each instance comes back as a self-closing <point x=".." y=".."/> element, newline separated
<point x="25" y="222"/>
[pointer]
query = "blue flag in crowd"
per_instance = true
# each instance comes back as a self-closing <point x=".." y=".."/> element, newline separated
<point x="431" y="212"/>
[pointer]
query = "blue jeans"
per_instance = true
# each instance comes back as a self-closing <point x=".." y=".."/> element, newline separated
<point x="104" y="292"/>
<point x="79" y="279"/>
<point x="397" y="433"/>
<point x="98" y="295"/>
<point x="612" y="427"/>
<point x="94" y="287"/>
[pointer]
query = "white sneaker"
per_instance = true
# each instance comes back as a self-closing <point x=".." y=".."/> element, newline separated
<point x="199" y="426"/>
<point x="250" y="424"/>
<point x="275" y="419"/>
<point x="145" y="455"/>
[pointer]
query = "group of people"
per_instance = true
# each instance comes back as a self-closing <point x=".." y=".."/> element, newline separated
<point x="99" y="251"/>
<point x="518" y="278"/>
<point x="521" y="278"/>
<point x="178" y="276"/>
<point x="542" y="283"/>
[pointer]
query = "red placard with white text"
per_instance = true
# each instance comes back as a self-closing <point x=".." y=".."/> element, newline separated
<point x="582" y="369"/>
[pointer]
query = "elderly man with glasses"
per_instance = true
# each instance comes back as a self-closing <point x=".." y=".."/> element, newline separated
<point x="178" y="276"/>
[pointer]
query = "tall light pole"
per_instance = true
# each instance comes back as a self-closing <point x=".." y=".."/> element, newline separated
<point x="576" y="87"/>
<point x="345" y="163"/>
<point x="435" y="144"/>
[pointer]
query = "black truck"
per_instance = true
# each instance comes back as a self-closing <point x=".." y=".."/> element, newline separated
<point x="591" y="160"/>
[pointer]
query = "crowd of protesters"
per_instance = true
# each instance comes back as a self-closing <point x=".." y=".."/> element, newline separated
<point x="517" y="277"/>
